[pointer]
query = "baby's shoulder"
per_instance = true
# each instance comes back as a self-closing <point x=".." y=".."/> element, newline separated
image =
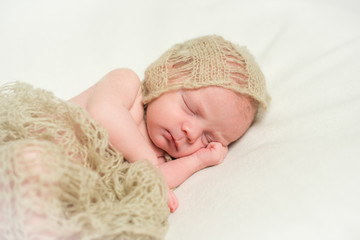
<point x="118" y="88"/>
<point x="126" y="85"/>
<point x="124" y="81"/>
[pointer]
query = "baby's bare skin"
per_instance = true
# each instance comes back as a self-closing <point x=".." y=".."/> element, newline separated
<point x="193" y="126"/>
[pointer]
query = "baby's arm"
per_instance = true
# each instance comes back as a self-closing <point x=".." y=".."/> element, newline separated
<point x="110" y="103"/>
<point x="177" y="171"/>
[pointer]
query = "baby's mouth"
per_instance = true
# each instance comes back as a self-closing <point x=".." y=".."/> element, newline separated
<point x="176" y="144"/>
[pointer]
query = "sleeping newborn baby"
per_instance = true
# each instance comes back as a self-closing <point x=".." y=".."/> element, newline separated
<point x="61" y="173"/>
<point x="197" y="98"/>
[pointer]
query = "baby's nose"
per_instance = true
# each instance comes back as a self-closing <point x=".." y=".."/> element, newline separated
<point x="191" y="131"/>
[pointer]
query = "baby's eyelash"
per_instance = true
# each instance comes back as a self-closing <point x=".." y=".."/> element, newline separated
<point x="187" y="106"/>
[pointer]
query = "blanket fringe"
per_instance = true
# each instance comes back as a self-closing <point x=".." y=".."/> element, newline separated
<point x="59" y="175"/>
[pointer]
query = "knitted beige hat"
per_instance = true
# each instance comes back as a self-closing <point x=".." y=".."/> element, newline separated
<point x="205" y="61"/>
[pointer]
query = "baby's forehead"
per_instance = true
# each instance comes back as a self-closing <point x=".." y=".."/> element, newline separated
<point x="223" y="100"/>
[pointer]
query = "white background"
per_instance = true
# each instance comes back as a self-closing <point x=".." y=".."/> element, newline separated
<point x="296" y="173"/>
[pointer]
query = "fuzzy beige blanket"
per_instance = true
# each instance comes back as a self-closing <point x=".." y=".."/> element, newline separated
<point x="60" y="176"/>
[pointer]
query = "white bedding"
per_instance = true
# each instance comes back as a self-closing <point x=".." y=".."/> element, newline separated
<point x="296" y="173"/>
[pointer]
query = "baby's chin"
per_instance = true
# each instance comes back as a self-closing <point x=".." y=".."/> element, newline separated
<point x="175" y="154"/>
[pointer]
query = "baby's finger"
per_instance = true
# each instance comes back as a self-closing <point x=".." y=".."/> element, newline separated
<point x="214" y="145"/>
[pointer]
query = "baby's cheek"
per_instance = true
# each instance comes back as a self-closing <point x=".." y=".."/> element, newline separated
<point x="192" y="149"/>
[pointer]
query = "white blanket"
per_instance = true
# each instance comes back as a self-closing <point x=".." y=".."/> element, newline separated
<point x="296" y="173"/>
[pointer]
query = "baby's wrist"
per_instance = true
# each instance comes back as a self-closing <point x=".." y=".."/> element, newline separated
<point x="201" y="159"/>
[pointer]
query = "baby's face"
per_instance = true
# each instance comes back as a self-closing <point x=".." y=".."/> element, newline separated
<point x="184" y="121"/>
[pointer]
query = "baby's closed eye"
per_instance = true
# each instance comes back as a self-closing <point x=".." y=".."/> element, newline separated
<point x="188" y="106"/>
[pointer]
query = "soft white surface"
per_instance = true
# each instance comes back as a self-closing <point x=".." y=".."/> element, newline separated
<point x="296" y="173"/>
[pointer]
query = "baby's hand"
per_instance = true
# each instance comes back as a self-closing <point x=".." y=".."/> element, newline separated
<point x="213" y="154"/>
